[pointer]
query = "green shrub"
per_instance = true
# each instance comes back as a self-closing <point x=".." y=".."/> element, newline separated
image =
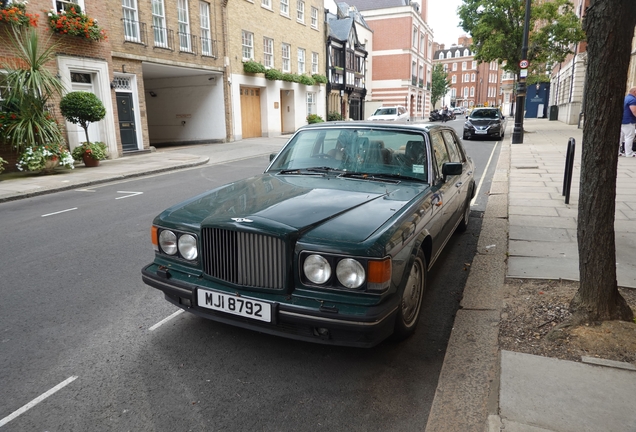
<point x="334" y="116"/>
<point x="251" y="66"/>
<point x="289" y="77"/>
<point x="307" y="80"/>
<point x="320" y="79"/>
<point x="314" y="118"/>
<point x="273" y="74"/>
<point x="82" y="108"/>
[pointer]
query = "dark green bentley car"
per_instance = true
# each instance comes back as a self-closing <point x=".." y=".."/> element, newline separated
<point x="331" y="244"/>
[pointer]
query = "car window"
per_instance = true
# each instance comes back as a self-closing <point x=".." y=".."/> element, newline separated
<point x="367" y="150"/>
<point x="453" y="147"/>
<point x="439" y="150"/>
<point x="384" y="111"/>
<point x="485" y="114"/>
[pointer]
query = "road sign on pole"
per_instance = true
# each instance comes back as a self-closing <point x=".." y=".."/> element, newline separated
<point x="523" y="64"/>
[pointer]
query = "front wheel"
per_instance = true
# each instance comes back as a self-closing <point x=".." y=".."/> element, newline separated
<point x="411" y="303"/>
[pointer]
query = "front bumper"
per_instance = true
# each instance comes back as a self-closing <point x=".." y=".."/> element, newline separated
<point x="490" y="132"/>
<point x="310" y="324"/>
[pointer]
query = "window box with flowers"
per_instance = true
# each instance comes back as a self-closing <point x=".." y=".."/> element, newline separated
<point x="74" y="22"/>
<point x="16" y="15"/>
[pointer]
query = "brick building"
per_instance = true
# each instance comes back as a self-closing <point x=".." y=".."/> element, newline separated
<point x="472" y="83"/>
<point x="285" y="35"/>
<point x="402" y="54"/>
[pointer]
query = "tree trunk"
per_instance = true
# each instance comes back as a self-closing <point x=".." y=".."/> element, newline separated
<point x="609" y="25"/>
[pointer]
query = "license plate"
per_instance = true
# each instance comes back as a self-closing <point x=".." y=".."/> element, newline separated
<point x="481" y="132"/>
<point x="235" y="305"/>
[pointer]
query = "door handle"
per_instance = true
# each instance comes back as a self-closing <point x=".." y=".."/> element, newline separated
<point x="458" y="184"/>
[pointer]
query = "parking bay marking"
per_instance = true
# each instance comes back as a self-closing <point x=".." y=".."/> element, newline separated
<point x="61" y="211"/>
<point x="481" y="180"/>
<point x="132" y="194"/>
<point x="37" y="400"/>
<point x="165" y="320"/>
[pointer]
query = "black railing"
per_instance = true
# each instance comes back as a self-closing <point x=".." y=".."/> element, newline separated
<point x="421" y="83"/>
<point x="413" y="80"/>
<point x="164" y="37"/>
<point x="134" y="31"/>
<point x="209" y="47"/>
<point x="187" y="43"/>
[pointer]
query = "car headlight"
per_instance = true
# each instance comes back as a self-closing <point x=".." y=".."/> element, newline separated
<point x="350" y="273"/>
<point x="168" y="242"/>
<point x="188" y="247"/>
<point x="317" y="269"/>
<point x="468" y="125"/>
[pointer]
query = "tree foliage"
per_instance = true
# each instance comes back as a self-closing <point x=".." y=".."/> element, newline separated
<point x="440" y="83"/>
<point x="496" y="27"/>
<point x="82" y="108"/>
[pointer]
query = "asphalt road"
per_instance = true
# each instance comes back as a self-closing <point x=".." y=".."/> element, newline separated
<point x="75" y="326"/>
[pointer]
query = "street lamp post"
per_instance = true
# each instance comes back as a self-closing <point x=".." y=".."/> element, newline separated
<point x="517" y="132"/>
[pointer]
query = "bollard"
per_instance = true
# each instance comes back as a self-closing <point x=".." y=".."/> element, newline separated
<point x="569" y="167"/>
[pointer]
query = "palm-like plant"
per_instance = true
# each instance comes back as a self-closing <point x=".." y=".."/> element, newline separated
<point x="30" y="86"/>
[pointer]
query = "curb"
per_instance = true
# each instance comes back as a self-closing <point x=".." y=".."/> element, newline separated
<point x="466" y="398"/>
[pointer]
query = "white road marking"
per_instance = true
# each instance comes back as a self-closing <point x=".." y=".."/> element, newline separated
<point x="62" y="211"/>
<point x="85" y="190"/>
<point x="165" y="320"/>
<point x="132" y="194"/>
<point x="481" y="180"/>
<point x="36" y="401"/>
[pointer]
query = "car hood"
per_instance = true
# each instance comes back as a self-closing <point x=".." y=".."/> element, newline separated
<point x="483" y="122"/>
<point x="384" y="117"/>
<point x="332" y="207"/>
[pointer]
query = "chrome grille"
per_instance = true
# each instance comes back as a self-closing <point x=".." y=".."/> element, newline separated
<point x="247" y="259"/>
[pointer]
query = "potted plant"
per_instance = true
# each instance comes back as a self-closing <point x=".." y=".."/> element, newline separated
<point x="74" y="22"/>
<point x="83" y="108"/>
<point x="90" y="153"/>
<point x="44" y="158"/>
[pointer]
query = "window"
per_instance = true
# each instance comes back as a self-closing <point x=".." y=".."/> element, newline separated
<point x="247" y="40"/>
<point x="445" y="67"/>
<point x="457" y="53"/>
<point x="206" y="41"/>
<point x="268" y="52"/>
<point x="422" y="44"/>
<point x="453" y="148"/>
<point x="284" y="7"/>
<point x="184" y="25"/>
<point x="472" y="77"/>
<point x="131" y="25"/>
<point x="466" y="78"/>
<point x="67" y="4"/>
<point x="454" y="93"/>
<point x="267" y="4"/>
<point x="314" y="62"/>
<point x="454" y="66"/>
<point x="159" y="23"/>
<point x="454" y="79"/>
<point x="463" y="65"/>
<point x="472" y="91"/>
<point x="286" y="58"/>
<point x="314" y="18"/>
<point x="474" y="65"/>
<point x="415" y="37"/>
<point x="466" y="53"/>
<point x="311" y="103"/>
<point x="300" y="11"/>
<point x="301" y="61"/>
<point x="441" y="56"/>
<point x="440" y="151"/>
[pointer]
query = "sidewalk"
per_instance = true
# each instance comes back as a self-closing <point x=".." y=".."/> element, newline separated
<point x="529" y="232"/>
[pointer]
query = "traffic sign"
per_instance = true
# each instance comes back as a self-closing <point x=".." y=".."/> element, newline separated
<point x="523" y="64"/>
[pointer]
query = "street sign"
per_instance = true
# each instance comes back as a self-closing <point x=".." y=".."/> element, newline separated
<point x="523" y="64"/>
<point x="523" y="73"/>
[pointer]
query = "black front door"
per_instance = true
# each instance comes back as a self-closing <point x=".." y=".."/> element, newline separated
<point x="127" y="128"/>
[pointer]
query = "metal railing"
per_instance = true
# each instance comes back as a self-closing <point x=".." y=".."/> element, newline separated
<point x="134" y="31"/>
<point x="209" y="47"/>
<point x="187" y="42"/>
<point x="164" y="37"/>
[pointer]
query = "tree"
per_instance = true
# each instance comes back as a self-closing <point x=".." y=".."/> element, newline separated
<point x="609" y="26"/>
<point x="439" y="83"/>
<point x="82" y="108"/>
<point x="496" y="27"/>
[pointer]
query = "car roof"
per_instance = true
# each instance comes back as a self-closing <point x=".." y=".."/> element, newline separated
<point x="415" y="127"/>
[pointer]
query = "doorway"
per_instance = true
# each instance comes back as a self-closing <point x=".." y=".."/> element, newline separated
<point x="127" y="125"/>
<point x="251" y="112"/>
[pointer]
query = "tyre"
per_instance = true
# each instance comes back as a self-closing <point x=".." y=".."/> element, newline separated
<point x="463" y="225"/>
<point x="411" y="303"/>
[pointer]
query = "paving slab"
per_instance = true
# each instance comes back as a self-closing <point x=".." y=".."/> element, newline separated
<point x="541" y="234"/>
<point x="524" y="248"/>
<point x="543" y="268"/>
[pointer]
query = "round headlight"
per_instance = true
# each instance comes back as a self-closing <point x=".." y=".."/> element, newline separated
<point x="317" y="269"/>
<point x="188" y="247"/>
<point x="168" y="242"/>
<point x="350" y="273"/>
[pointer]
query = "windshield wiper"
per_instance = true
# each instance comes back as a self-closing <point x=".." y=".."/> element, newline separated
<point x="396" y="178"/>
<point x="310" y="171"/>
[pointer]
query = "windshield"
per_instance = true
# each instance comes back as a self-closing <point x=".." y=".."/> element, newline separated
<point x="361" y="150"/>
<point x="485" y="114"/>
<point x="384" y="111"/>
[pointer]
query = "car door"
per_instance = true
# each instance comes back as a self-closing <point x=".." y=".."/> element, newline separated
<point x="447" y="190"/>
<point x="461" y="182"/>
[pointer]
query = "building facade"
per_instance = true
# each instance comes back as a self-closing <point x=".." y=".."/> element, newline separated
<point x="402" y="54"/>
<point x="471" y="83"/>
<point x="346" y="63"/>
<point x="283" y="35"/>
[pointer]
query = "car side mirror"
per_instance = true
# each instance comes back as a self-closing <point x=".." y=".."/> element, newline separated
<point x="272" y="156"/>
<point x="452" y="169"/>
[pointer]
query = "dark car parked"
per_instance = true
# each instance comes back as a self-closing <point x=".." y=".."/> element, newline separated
<point x="485" y="122"/>
<point x="331" y="244"/>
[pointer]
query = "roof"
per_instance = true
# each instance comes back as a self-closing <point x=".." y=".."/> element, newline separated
<point x="340" y="28"/>
<point x="380" y="4"/>
<point x="344" y="10"/>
